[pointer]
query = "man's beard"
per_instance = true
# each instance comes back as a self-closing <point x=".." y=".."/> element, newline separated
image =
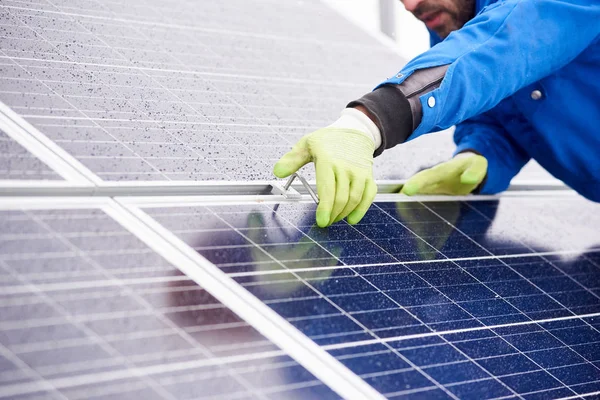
<point x="460" y="14"/>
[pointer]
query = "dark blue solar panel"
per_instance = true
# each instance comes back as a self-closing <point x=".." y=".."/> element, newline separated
<point x="404" y="297"/>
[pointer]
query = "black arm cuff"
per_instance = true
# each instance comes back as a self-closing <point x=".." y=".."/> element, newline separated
<point x="392" y="114"/>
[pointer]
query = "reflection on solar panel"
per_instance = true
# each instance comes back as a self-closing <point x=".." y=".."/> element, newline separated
<point x="438" y="299"/>
<point x="89" y="311"/>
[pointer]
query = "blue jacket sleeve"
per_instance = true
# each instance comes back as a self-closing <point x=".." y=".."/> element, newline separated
<point x="507" y="46"/>
<point x="485" y="136"/>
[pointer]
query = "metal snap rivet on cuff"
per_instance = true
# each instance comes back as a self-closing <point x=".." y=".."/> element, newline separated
<point x="431" y="101"/>
<point x="536" y="95"/>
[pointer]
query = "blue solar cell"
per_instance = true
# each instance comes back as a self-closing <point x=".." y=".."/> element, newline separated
<point x="531" y="382"/>
<point x="399" y="382"/>
<point x="439" y="353"/>
<point x="440" y="313"/>
<point x="417" y="297"/>
<point x="578" y="335"/>
<point x="487" y="347"/>
<point x="508" y="289"/>
<point x="360" y="302"/>
<point x="489" y="308"/>
<point x="333" y="326"/>
<point x="456" y="372"/>
<point x="447" y="277"/>
<point x="304" y="308"/>
<point x="555" y="357"/>
<point x="587" y="388"/>
<point x="591" y="351"/>
<point x="539" y="340"/>
<point x="485" y="389"/>
<point x="402" y="280"/>
<point x="373" y="362"/>
<point x="508" y="364"/>
<point x="428" y="394"/>
<point x="387" y="319"/>
<point x="549" y="394"/>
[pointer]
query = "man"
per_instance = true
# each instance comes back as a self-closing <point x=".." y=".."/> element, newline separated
<point x="520" y="79"/>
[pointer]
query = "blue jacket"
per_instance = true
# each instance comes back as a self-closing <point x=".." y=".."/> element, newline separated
<point x="523" y="82"/>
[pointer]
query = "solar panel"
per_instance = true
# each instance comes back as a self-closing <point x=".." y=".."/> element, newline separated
<point x="141" y="91"/>
<point x="225" y="296"/>
<point x="90" y="311"/>
<point x="476" y="299"/>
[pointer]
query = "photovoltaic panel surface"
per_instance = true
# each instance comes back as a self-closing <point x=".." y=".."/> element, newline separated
<point x="89" y="311"/>
<point x="477" y="299"/>
<point x="176" y="90"/>
<point x="16" y="163"/>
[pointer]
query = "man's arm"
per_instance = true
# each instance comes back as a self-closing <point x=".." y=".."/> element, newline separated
<point x="485" y="161"/>
<point x="484" y="136"/>
<point x="509" y="45"/>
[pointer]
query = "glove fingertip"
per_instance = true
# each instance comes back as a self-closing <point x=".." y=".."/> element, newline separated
<point x="355" y="216"/>
<point x="352" y="220"/>
<point x="323" y="218"/>
<point x="410" y="189"/>
<point x="282" y="170"/>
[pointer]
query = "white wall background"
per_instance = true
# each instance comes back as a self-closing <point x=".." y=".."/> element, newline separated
<point x="411" y="34"/>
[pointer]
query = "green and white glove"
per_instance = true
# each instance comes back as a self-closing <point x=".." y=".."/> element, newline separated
<point x="459" y="176"/>
<point x="343" y="157"/>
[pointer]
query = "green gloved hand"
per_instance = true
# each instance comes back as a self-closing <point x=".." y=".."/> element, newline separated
<point x="343" y="159"/>
<point x="459" y="176"/>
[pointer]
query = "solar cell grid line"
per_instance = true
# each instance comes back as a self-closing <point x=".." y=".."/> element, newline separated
<point x="239" y="210"/>
<point x="80" y="345"/>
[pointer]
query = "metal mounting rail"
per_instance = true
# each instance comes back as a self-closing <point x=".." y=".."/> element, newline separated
<point x="229" y="188"/>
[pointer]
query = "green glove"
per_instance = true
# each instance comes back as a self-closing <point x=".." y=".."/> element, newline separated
<point x="343" y="160"/>
<point x="459" y="176"/>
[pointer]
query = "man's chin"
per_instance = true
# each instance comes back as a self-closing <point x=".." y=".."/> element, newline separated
<point x="444" y="31"/>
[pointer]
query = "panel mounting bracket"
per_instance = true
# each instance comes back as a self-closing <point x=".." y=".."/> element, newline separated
<point x="289" y="193"/>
